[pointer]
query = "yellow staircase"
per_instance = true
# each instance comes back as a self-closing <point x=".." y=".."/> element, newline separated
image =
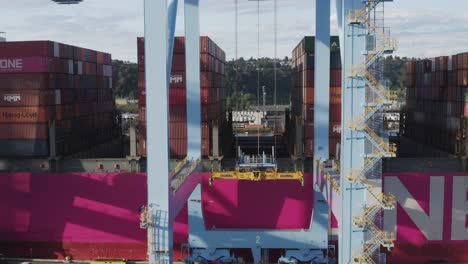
<point x="372" y="211"/>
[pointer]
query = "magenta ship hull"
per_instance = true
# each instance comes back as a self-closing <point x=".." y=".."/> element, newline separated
<point x="87" y="216"/>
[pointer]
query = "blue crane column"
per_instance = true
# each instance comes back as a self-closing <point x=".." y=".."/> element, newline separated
<point x="322" y="82"/>
<point x="156" y="68"/>
<point x="163" y="202"/>
<point x="352" y="141"/>
<point x="192" y="52"/>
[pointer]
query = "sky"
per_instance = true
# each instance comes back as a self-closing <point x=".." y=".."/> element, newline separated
<point x="424" y="28"/>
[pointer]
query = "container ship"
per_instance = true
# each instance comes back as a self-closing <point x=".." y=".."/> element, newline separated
<point x="89" y="215"/>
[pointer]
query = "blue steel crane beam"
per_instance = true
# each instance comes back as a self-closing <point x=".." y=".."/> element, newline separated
<point x="166" y="196"/>
<point x="322" y="80"/>
<point x="353" y="142"/>
<point x="67" y="2"/>
<point x="157" y="28"/>
<point x="207" y="241"/>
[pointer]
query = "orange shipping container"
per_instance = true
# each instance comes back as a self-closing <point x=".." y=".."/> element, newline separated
<point x="26" y="114"/>
<point x="335" y="95"/>
<point x="309" y="147"/>
<point x="335" y="78"/>
<point x="24" y="131"/>
<point x="309" y="97"/>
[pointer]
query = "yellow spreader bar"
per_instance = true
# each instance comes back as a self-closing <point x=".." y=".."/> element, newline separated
<point x="257" y="176"/>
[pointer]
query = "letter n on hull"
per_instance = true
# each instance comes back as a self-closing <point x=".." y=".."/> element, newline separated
<point x="431" y="208"/>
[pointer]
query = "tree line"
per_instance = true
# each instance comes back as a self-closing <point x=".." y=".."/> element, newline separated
<point x="246" y="79"/>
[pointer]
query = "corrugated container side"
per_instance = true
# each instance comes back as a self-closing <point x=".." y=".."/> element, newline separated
<point x="24" y="148"/>
<point x="24" y="131"/>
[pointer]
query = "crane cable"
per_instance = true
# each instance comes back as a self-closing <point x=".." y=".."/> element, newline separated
<point x="275" y="12"/>
<point x="236" y="63"/>
<point x="258" y="75"/>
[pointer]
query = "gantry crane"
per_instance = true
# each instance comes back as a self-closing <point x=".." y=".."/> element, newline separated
<point x="356" y="198"/>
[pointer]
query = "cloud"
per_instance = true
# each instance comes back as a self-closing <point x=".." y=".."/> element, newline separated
<point x="424" y="28"/>
<point x="428" y="34"/>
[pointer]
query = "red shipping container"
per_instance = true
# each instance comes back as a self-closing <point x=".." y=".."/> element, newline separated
<point x="206" y="95"/>
<point x="141" y="63"/>
<point x="465" y="61"/>
<point x="105" y="95"/>
<point x="178" y="148"/>
<point x="33" y="65"/>
<point x="141" y="98"/>
<point x="178" y="113"/>
<point x="178" y="130"/>
<point x="142" y="114"/>
<point x="178" y="62"/>
<point x="207" y="79"/>
<point x="454" y="62"/>
<point x="411" y="67"/>
<point x="335" y="129"/>
<point x="141" y="46"/>
<point x="205" y="128"/>
<point x="65" y="111"/>
<point x="466" y="109"/>
<point x="141" y="80"/>
<point x="179" y="45"/>
<point x="177" y="80"/>
<point x="206" y="147"/>
<point x="177" y="97"/>
<point x="141" y="145"/>
<point x="309" y="147"/>
<point x="24" y="131"/>
<point x="335" y="112"/>
<point x="309" y="130"/>
<point x="207" y="112"/>
<point x="29" y="97"/>
<point x="29" y="49"/>
<point x="310" y="78"/>
<point x="86" y="109"/>
<point x="29" y="81"/>
<point x="204" y="44"/>
<point x="309" y="112"/>
<point x="205" y="62"/>
<point x="90" y="68"/>
<point x="335" y="78"/>
<point x="460" y="61"/>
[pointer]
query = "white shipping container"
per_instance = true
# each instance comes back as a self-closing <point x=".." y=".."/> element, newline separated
<point x="56" y="50"/>
<point x="58" y="97"/>
<point x="107" y="70"/>
<point x="80" y="68"/>
<point x="71" y="67"/>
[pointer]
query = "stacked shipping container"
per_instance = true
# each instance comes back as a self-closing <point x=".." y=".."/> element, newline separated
<point x="49" y="87"/>
<point x="302" y="91"/>
<point x="436" y="107"/>
<point x="213" y="97"/>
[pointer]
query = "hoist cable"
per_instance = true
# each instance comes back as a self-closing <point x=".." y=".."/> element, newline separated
<point x="275" y="69"/>
<point x="258" y="75"/>
<point x="236" y="62"/>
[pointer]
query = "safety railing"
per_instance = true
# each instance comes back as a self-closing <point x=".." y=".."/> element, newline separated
<point x="383" y="44"/>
